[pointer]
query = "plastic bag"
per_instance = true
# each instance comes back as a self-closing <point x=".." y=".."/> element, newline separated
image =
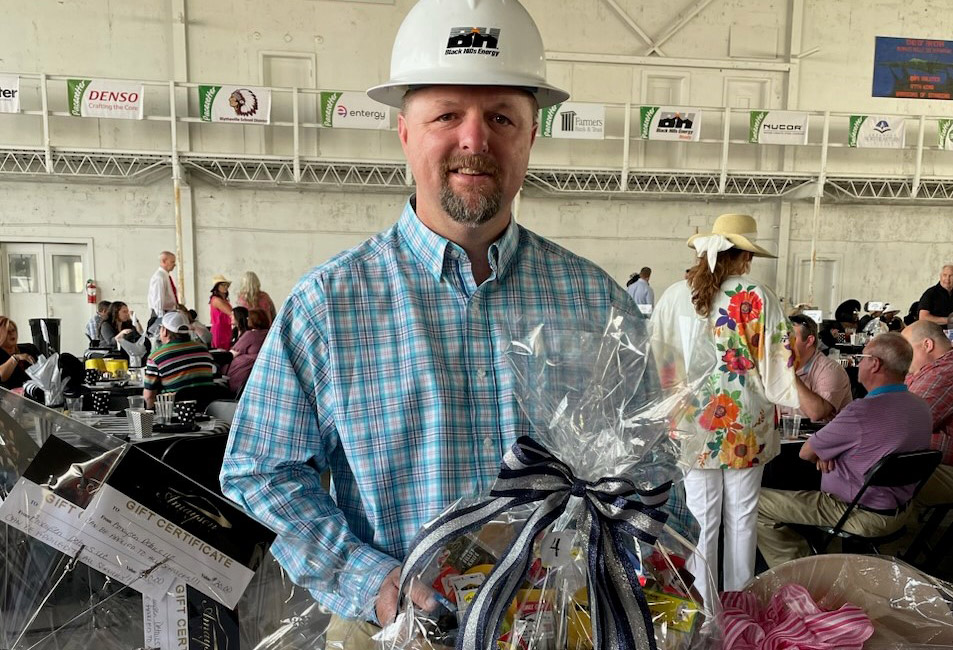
<point x="570" y="549"/>
<point x="46" y="373"/>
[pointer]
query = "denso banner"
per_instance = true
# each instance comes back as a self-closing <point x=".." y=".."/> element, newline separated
<point x="100" y="98"/>
<point x="778" y="127"/>
<point x="352" y="110"/>
<point x="246" y="104"/>
<point x="9" y="93"/>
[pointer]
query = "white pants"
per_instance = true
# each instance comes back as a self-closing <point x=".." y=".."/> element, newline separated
<point x="724" y="498"/>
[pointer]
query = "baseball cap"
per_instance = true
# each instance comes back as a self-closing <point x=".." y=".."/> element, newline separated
<point x="175" y="322"/>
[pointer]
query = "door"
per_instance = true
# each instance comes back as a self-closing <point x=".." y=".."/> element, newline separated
<point x="825" y="275"/>
<point x="48" y="280"/>
<point x="288" y="71"/>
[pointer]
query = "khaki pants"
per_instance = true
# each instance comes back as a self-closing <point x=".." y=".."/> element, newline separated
<point x="778" y="545"/>
<point x="347" y="634"/>
<point x="938" y="489"/>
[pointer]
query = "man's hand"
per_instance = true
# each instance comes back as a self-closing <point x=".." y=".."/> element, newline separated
<point x="825" y="466"/>
<point x="386" y="605"/>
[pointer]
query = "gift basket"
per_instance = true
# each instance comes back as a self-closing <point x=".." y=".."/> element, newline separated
<point x="570" y="549"/>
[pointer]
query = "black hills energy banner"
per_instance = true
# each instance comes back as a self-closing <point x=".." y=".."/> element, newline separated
<point x="241" y="104"/>
<point x="103" y="98"/>
<point x="778" y="127"/>
<point x="670" y="123"/>
<point x="573" y="120"/>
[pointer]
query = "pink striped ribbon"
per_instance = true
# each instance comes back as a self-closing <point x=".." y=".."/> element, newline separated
<point x="791" y="620"/>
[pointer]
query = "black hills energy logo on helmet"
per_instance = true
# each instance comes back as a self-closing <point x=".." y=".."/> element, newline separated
<point x="474" y="40"/>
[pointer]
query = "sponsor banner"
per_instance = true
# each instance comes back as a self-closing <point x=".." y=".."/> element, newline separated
<point x="670" y="123"/>
<point x="778" y="127"/>
<point x="352" y="110"/>
<point x="187" y="620"/>
<point x="243" y="104"/>
<point x="109" y="99"/>
<point x="876" y="131"/>
<point x="147" y="519"/>
<point x="573" y="120"/>
<point x="913" y="68"/>
<point x="945" y="134"/>
<point x="9" y="93"/>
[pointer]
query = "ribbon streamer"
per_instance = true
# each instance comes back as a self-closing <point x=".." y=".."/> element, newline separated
<point x="709" y="246"/>
<point x="529" y="474"/>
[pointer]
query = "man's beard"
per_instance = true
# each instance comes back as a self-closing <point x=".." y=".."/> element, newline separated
<point x="469" y="209"/>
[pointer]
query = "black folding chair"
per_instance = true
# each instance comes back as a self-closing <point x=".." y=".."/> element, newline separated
<point x="933" y="517"/>
<point x="893" y="470"/>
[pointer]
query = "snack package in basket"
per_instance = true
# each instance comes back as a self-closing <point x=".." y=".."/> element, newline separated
<point x="570" y="549"/>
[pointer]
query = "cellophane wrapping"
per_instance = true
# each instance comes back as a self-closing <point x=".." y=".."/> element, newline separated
<point x="599" y="408"/>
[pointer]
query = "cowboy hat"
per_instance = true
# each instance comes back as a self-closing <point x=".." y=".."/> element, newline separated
<point x="740" y="229"/>
<point x="220" y="279"/>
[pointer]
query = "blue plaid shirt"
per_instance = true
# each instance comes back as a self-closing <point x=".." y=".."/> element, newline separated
<point x="386" y="365"/>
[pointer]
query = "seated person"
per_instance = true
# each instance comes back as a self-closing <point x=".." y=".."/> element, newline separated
<point x="178" y="362"/>
<point x="119" y="324"/>
<point x="246" y="348"/>
<point x="888" y="420"/>
<point x="823" y="386"/>
<point x="13" y="361"/>
<point x="197" y="331"/>
<point x="239" y="323"/>
<point x="931" y="377"/>
<point x="92" y="326"/>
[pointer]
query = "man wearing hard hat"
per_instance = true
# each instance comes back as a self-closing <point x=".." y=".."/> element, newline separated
<point x="385" y="365"/>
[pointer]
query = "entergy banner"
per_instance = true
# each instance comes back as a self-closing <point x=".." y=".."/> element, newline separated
<point x="876" y="131"/>
<point x="343" y="109"/>
<point x="670" y="123"/>
<point x="243" y="104"/>
<point x="573" y="120"/>
<point x="102" y="98"/>
<point x="778" y="127"/>
<point x="945" y="134"/>
<point x="9" y="93"/>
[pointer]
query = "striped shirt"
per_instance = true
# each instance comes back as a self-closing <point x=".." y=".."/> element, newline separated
<point x="934" y="383"/>
<point x="173" y="366"/>
<point x="386" y="365"/>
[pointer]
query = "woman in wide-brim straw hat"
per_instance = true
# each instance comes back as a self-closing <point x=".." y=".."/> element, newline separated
<point x="220" y="313"/>
<point x="729" y="434"/>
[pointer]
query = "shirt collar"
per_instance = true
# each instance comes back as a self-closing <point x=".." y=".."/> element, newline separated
<point x="806" y="368"/>
<point x="889" y="388"/>
<point x="432" y="250"/>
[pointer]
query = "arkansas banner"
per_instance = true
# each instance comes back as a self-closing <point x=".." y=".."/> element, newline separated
<point x="243" y="104"/>
<point x="100" y="98"/>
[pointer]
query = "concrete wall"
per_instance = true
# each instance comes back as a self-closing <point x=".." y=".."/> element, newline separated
<point x="882" y="252"/>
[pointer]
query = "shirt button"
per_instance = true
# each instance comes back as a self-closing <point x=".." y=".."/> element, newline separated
<point x="481" y="373"/>
<point x="488" y="443"/>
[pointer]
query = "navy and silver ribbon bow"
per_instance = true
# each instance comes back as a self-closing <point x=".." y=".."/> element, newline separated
<point x="529" y="474"/>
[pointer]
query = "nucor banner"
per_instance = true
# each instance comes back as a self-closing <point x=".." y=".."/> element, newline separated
<point x="99" y="98"/>
<point x="778" y="127"/>
<point x="9" y="93"/>
<point x="245" y="104"/>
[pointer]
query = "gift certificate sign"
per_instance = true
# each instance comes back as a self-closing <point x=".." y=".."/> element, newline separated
<point x="149" y="518"/>
<point x="186" y="619"/>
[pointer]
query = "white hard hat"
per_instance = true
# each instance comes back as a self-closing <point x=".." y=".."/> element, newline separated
<point x="468" y="43"/>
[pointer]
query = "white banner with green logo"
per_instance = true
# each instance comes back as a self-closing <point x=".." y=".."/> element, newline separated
<point x="945" y="134"/>
<point x="876" y="131"/>
<point x="109" y="99"/>
<point x="573" y="120"/>
<point x="670" y="123"/>
<point x="242" y="104"/>
<point x="778" y="127"/>
<point x="344" y="109"/>
<point x="9" y="93"/>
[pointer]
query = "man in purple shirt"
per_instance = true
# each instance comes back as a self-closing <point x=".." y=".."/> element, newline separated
<point x="888" y="420"/>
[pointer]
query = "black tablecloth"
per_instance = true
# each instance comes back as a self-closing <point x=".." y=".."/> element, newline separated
<point x="788" y="472"/>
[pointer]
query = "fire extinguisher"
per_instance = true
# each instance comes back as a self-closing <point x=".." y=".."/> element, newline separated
<point x="91" y="292"/>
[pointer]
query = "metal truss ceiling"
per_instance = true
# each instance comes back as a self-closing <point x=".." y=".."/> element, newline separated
<point x="246" y="171"/>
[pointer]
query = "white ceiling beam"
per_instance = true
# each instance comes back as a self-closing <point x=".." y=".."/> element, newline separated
<point x="671" y="62"/>
<point x="681" y="22"/>
<point x="634" y="26"/>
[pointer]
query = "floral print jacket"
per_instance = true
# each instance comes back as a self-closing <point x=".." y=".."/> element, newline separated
<point x="730" y="422"/>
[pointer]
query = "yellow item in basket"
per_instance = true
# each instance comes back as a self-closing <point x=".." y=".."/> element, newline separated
<point x="676" y="613"/>
<point x="117" y="366"/>
<point x="96" y="364"/>
<point x="579" y="625"/>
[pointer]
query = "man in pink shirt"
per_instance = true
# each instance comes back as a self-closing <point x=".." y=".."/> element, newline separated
<point x="889" y="419"/>
<point x="823" y="386"/>
<point x="931" y="377"/>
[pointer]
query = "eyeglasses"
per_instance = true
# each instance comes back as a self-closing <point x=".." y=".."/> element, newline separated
<point x="868" y="356"/>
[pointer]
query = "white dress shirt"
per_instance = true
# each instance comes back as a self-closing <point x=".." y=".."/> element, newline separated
<point x="161" y="298"/>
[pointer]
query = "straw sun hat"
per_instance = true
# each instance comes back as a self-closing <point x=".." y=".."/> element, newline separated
<point x="219" y="279"/>
<point x="740" y="229"/>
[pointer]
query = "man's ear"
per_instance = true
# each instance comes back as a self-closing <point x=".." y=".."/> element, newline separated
<point x="929" y="345"/>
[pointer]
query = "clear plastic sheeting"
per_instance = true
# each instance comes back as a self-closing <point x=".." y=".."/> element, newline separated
<point x="908" y="608"/>
<point x="63" y="586"/>
<point x="570" y="550"/>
